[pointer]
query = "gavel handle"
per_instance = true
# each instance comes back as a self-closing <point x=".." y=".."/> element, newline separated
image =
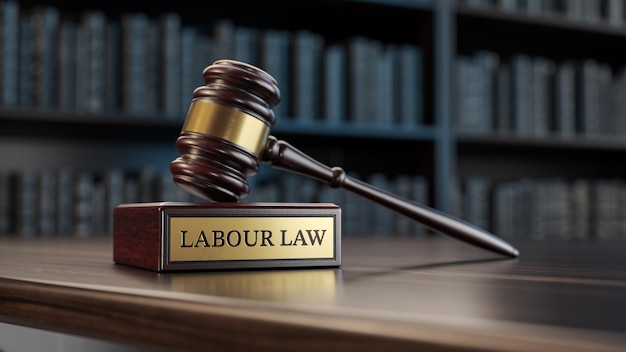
<point x="284" y="156"/>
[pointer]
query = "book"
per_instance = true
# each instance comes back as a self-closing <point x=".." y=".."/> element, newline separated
<point x="476" y="201"/>
<point x="246" y="47"/>
<point x="224" y="39"/>
<point x="25" y="79"/>
<point x="615" y="12"/>
<point x="542" y="102"/>
<point x="387" y="90"/>
<point x="411" y="85"/>
<point x="204" y="46"/>
<point x="113" y="180"/>
<point x="99" y="219"/>
<point x="95" y="26"/>
<point x="565" y="100"/>
<point x="581" y="211"/>
<point x="275" y="59"/>
<point x="503" y="95"/>
<point x="26" y="203"/>
<point x="151" y="73"/>
<point x="380" y="218"/>
<point x="372" y="80"/>
<point x="521" y="74"/>
<point x="307" y="60"/>
<point x="477" y="91"/>
<point x="9" y="52"/>
<point x="81" y="70"/>
<point x="170" y="64"/>
<point x="66" y="69"/>
<point x="606" y="122"/>
<point x="335" y="87"/>
<point x="44" y="25"/>
<point x="112" y="67"/>
<point x="46" y="203"/>
<point x="467" y="102"/>
<point x="7" y="204"/>
<point x="588" y="97"/>
<point x="618" y="102"/>
<point x="84" y="186"/>
<point x="358" y="72"/>
<point x="65" y="201"/>
<point x="135" y="44"/>
<point x="190" y="75"/>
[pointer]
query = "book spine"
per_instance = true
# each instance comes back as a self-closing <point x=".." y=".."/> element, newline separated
<point x="26" y="203"/>
<point x="7" y="202"/>
<point x="95" y="24"/>
<point x="65" y="202"/>
<point x="44" y="21"/>
<point x="170" y="33"/>
<point x="25" y="61"/>
<point x="189" y="76"/>
<point x="543" y="72"/>
<point x="357" y="76"/>
<point x="503" y="96"/>
<point x="224" y="34"/>
<point x="565" y="99"/>
<point x="335" y="84"/>
<point x="81" y="74"/>
<point x="83" y="204"/>
<point x="411" y="85"/>
<point x="46" y="203"/>
<point x="521" y="65"/>
<point x="307" y="56"/>
<point x="151" y="71"/>
<point x="588" y="97"/>
<point x="245" y="45"/>
<point x="275" y="59"/>
<point x="66" y="59"/>
<point x="9" y="52"/>
<point x="134" y="50"/>
<point x="113" y="67"/>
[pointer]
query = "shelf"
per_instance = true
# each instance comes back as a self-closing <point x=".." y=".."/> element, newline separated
<point x="410" y="4"/>
<point x="511" y="157"/>
<point x="546" y="21"/>
<point x="512" y="143"/>
<point x="78" y="125"/>
<point x="81" y="125"/>
<point x="538" y="35"/>
<point x="346" y="130"/>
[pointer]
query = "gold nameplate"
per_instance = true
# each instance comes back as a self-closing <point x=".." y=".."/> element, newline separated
<point x="209" y="236"/>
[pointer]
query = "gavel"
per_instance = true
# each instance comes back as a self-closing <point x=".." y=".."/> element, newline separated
<point x="226" y="137"/>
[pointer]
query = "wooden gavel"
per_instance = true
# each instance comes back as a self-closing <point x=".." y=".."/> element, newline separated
<point x="226" y="136"/>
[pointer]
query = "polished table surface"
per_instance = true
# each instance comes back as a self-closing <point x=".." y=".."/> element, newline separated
<point x="393" y="294"/>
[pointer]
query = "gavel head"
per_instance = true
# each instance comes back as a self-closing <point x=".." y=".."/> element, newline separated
<point x="225" y="132"/>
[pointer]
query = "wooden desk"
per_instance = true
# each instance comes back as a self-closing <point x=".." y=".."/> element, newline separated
<point x="437" y="294"/>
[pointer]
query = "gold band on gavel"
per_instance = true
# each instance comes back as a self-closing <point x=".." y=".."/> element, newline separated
<point x="229" y="124"/>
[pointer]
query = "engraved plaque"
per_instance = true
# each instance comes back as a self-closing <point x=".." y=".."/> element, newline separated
<point x="213" y="236"/>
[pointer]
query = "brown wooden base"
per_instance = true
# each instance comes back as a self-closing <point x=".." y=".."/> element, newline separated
<point x="216" y="236"/>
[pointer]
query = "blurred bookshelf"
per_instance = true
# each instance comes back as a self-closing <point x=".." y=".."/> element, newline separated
<point x="93" y="97"/>
<point x="478" y="108"/>
<point x="539" y="117"/>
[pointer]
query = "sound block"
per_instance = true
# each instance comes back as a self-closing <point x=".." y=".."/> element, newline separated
<point x="173" y="236"/>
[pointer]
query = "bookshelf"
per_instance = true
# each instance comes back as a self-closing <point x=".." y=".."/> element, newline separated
<point x="100" y="92"/>
<point x="371" y="79"/>
<point x="540" y="139"/>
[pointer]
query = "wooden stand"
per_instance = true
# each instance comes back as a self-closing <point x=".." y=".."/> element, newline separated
<point x="214" y="236"/>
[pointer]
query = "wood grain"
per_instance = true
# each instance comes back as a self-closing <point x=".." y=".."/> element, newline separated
<point x="401" y="294"/>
